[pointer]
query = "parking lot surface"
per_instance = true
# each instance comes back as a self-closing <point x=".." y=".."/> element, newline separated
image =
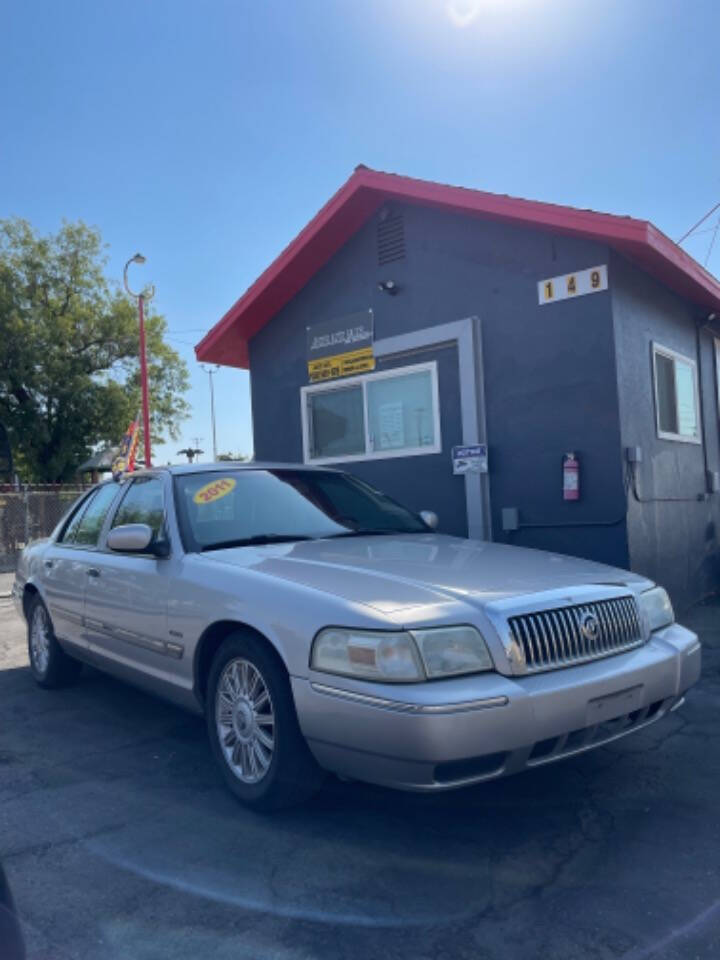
<point x="119" y="841"/>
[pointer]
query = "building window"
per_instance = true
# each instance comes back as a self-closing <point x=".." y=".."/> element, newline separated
<point x="337" y="422"/>
<point x="393" y="413"/>
<point x="676" y="396"/>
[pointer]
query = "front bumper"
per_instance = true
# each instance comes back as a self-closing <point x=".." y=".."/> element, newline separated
<point x="451" y="733"/>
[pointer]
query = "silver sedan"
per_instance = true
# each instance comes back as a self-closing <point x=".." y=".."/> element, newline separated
<point x="321" y="626"/>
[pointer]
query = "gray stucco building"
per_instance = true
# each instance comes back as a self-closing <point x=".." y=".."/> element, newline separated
<point x="455" y="317"/>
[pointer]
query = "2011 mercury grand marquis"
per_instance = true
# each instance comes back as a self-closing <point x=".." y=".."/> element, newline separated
<point x="321" y="626"/>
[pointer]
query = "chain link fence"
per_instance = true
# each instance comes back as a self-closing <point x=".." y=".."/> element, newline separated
<point x="28" y="512"/>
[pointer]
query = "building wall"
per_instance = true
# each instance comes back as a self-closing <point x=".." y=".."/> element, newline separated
<point x="673" y="541"/>
<point x="549" y="372"/>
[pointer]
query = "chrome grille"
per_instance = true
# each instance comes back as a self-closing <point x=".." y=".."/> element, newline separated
<point x="555" y="638"/>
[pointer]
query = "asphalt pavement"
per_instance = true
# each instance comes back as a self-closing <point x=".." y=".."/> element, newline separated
<point x="119" y="841"/>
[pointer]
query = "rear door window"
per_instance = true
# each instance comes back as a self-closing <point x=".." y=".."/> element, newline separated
<point x="93" y="517"/>
<point x="68" y="533"/>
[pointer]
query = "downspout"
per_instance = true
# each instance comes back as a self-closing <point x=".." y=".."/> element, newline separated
<point x="700" y="326"/>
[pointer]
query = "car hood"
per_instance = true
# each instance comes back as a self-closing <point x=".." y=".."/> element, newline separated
<point x="397" y="572"/>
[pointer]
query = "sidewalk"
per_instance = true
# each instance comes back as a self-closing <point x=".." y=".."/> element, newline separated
<point x="6" y="582"/>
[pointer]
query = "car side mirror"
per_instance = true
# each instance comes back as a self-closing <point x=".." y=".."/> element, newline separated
<point x="135" y="538"/>
<point x="430" y="518"/>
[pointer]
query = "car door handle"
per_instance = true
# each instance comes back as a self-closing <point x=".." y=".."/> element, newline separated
<point x="48" y="563"/>
<point x="93" y="572"/>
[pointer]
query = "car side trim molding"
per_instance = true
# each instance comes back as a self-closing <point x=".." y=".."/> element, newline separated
<point x="415" y="708"/>
<point x="66" y="614"/>
<point x="166" y="648"/>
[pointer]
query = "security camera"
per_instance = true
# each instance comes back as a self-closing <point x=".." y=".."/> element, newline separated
<point x="388" y="286"/>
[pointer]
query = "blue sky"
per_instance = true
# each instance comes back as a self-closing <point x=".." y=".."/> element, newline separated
<point x="207" y="134"/>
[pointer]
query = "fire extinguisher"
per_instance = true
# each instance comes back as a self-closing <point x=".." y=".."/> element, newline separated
<point x="571" y="477"/>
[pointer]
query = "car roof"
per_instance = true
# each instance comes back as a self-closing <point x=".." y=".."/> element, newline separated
<point x="180" y="469"/>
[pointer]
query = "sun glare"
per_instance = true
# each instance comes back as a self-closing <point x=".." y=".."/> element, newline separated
<point x="463" y="12"/>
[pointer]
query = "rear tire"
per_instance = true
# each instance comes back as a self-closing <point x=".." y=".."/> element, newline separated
<point x="51" y="667"/>
<point x="253" y="727"/>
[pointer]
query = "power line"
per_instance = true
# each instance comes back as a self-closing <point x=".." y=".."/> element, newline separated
<point x="700" y="233"/>
<point x="701" y="220"/>
<point x="712" y="242"/>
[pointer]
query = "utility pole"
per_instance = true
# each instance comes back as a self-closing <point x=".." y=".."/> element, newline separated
<point x="211" y="371"/>
<point x="146" y="294"/>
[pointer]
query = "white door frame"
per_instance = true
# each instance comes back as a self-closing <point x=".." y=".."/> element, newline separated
<point x="466" y="334"/>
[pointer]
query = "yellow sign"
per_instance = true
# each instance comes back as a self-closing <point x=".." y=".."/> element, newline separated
<point x="214" y="490"/>
<point x="342" y="365"/>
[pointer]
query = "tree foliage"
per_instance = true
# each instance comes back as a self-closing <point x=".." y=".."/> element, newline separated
<point x="69" y="369"/>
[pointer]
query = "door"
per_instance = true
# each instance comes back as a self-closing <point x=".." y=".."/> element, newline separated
<point x="424" y="481"/>
<point x="126" y="603"/>
<point x="69" y="560"/>
<point x="396" y="427"/>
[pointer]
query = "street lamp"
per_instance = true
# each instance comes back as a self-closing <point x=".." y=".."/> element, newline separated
<point x="211" y="371"/>
<point x="146" y="294"/>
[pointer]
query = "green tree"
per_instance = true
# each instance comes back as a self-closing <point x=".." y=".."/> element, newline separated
<point x="69" y="371"/>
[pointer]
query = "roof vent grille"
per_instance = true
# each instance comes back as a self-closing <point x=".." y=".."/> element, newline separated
<point x="390" y="238"/>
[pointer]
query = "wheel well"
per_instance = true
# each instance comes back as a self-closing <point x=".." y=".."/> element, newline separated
<point x="208" y="645"/>
<point x="29" y="592"/>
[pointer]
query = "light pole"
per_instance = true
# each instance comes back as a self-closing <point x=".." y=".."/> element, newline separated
<point x="146" y="294"/>
<point x="211" y="371"/>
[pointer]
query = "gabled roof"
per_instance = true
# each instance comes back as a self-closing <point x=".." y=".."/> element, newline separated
<point x="367" y="190"/>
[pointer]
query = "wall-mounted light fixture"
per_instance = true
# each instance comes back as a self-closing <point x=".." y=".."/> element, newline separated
<point x="388" y="286"/>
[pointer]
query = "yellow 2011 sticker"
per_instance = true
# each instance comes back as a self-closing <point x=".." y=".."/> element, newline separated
<point x="214" y="490"/>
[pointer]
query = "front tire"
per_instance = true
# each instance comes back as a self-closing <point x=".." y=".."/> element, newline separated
<point x="50" y="666"/>
<point x="253" y="728"/>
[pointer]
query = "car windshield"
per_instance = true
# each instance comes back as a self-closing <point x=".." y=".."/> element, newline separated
<point x="242" y="507"/>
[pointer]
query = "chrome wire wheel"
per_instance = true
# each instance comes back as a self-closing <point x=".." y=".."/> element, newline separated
<point x="245" y="720"/>
<point x="40" y="640"/>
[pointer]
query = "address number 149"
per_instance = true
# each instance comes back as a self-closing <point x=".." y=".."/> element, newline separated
<point x="570" y="285"/>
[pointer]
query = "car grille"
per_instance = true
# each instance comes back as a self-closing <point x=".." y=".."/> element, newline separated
<point x="550" y="639"/>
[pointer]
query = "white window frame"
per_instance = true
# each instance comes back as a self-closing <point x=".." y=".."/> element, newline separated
<point x="361" y="380"/>
<point x="658" y="348"/>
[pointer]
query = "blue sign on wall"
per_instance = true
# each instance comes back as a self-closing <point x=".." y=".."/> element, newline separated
<point x="470" y="459"/>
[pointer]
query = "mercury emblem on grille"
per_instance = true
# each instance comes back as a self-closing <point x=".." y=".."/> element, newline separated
<point x="589" y="625"/>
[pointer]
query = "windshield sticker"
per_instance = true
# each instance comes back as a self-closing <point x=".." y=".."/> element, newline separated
<point x="215" y="490"/>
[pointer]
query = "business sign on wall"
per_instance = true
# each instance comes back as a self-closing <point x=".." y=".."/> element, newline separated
<point x="571" y="285"/>
<point x="340" y="347"/>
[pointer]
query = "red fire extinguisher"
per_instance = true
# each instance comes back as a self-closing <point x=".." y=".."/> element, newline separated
<point x="571" y="477"/>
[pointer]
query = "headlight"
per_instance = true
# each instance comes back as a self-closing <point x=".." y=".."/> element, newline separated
<point x="450" y="651"/>
<point x="368" y="654"/>
<point x="656" y="608"/>
<point x="401" y="657"/>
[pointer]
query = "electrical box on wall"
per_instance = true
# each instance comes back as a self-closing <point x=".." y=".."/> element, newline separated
<point x="510" y="518"/>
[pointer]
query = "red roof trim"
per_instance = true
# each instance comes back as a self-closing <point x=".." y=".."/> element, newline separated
<point x="366" y="190"/>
